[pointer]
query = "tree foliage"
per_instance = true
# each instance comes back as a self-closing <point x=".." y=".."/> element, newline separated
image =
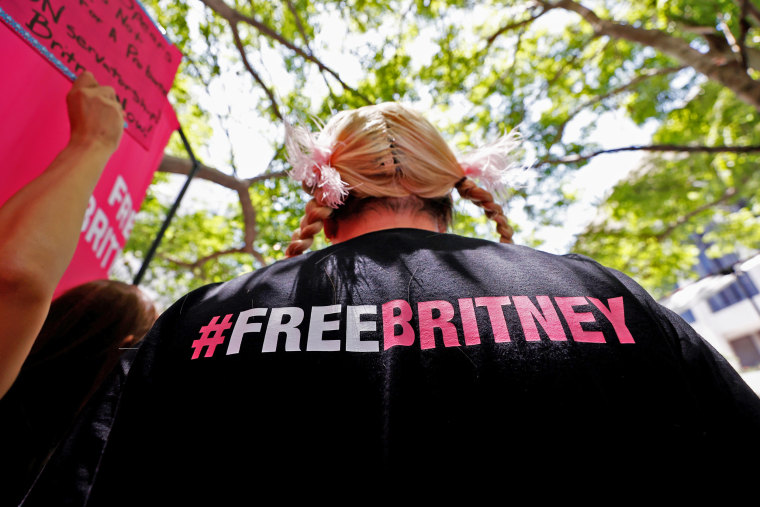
<point x="477" y="69"/>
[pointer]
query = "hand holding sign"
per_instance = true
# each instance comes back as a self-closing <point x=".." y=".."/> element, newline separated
<point x="96" y="118"/>
<point x="41" y="223"/>
<point x="116" y="41"/>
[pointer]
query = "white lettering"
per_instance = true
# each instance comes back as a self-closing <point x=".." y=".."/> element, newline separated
<point x="318" y="325"/>
<point x="354" y="326"/>
<point x="97" y="229"/>
<point x="113" y="247"/>
<point x="242" y="326"/>
<point x="118" y="191"/>
<point x="275" y="326"/>
<point x="125" y="216"/>
<point x="102" y="244"/>
<point x="91" y="205"/>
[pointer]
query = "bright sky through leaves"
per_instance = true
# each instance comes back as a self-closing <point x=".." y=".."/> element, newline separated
<point x="674" y="83"/>
<point x="253" y="136"/>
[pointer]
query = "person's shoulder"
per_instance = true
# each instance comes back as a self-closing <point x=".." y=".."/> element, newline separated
<point x="519" y="252"/>
<point x="399" y="240"/>
<point x="278" y="273"/>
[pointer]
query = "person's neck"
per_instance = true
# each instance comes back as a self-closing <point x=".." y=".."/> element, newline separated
<point x="382" y="219"/>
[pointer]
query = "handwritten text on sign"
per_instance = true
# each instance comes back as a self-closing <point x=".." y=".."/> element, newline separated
<point x="113" y="39"/>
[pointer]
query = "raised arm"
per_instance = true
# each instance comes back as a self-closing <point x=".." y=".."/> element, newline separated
<point x="40" y="224"/>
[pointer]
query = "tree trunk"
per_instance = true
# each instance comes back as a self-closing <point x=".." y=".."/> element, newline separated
<point x="729" y="74"/>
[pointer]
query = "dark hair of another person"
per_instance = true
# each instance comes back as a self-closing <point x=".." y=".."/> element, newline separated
<point x="88" y="325"/>
<point x="85" y="333"/>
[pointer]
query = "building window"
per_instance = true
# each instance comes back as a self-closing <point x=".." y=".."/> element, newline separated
<point x="737" y="291"/>
<point x="747" y="350"/>
<point x="688" y="316"/>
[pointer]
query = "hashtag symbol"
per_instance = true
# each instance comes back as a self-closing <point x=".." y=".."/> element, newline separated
<point x="211" y="336"/>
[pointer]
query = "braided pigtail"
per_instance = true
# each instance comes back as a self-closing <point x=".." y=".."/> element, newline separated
<point x="496" y="167"/>
<point x="310" y="157"/>
<point x="311" y="223"/>
<point x="483" y="198"/>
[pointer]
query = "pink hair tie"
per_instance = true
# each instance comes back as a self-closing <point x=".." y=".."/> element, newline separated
<point x="494" y="164"/>
<point x="310" y="164"/>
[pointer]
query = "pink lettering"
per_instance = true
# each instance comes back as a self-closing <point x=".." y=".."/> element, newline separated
<point x="547" y="317"/>
<point x="469" y="324"/>
<point x="428" y="324"/>
<point x="390" y="321"/>
<point x="616" y="315"/>
<point x="574" y="320"/>
<point x="496" y="314"/>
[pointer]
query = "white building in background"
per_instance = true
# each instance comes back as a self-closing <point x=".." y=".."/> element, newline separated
<point x="724" y="307"/>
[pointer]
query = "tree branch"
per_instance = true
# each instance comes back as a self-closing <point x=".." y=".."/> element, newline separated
<point x="731" y="40"/>
<point x="233" y="17"/>
<point x="198" y="263"/>
<point x="746" y="88"/>
<point x="652" y="147"/>
<point x="696" y="29"/>
<point x="753" y="13"/>
<point x="566" y="64"/>
<point x="299" y="25"/>
<point x="743" y="30"/>
<point x="302" y="31"/>
<point x="719" y="46"/>
<point x="249" y="68"/>
<point x="266" y="176"/>
<point x="729" y="193"/>
<point x="506" y="28"/>
<point x="177" y="165"/>
<point x="647" y="74"/>
<point x="269" y="174"/>
<point x="249" y="218"/>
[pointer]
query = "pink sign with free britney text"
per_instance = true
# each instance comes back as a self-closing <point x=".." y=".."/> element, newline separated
<point x="35" y="128"/>
<point x="115" y="40"/>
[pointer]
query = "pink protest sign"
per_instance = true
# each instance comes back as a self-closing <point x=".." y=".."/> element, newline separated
<point x="34" y="128"/>
<point x="113" y="39"/>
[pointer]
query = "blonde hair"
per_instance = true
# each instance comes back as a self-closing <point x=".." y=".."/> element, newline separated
<point x="389" y="151"/>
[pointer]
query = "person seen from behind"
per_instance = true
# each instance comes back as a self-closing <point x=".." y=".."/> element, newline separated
<point x="402" y="356"/>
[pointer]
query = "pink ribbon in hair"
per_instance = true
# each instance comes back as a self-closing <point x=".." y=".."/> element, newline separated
<point x="494" y="164"/>
<point x="310" y="162"/>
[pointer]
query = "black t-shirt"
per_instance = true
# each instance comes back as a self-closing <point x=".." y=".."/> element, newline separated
<point x="404" y="356"/>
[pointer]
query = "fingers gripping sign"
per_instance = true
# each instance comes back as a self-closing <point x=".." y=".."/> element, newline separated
<point x="95" y="116"/>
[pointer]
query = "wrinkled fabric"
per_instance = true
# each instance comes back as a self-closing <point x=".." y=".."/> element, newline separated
<point x="228" y="399"/>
